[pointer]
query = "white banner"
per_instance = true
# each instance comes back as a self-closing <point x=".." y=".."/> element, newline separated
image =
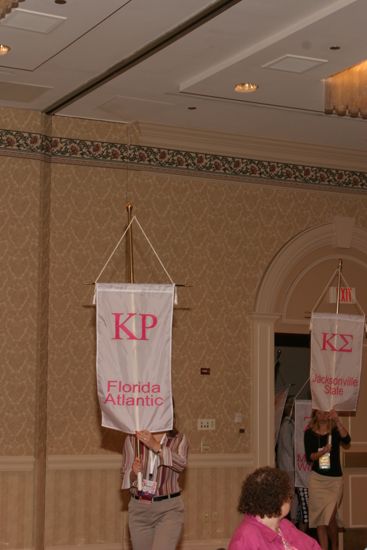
<point x="302" y="416"/>
<point x="134" y="342"/>
<point x="336" y="360"/>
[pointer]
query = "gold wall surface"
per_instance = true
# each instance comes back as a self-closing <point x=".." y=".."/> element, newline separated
<point x="20" y="205"/>
<point x="85" y="505"/>
<point x="64" y="187"/>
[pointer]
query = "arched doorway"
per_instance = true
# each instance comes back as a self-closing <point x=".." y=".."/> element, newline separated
<point x="293" y="281"/>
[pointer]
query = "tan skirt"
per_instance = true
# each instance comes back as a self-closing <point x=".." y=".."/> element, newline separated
<point x="325" y="494"/>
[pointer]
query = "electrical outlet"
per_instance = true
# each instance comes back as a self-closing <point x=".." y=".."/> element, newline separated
<point x="204" y="447"/>
<point x="206" y="423"/>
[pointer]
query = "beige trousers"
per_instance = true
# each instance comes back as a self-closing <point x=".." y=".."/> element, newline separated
<point x="156" y="525"/>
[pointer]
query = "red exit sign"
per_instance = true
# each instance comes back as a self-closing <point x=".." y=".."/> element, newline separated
<point x="347" y="295"/>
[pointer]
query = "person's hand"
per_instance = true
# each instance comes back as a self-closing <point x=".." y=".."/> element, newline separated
<point x="333" y="415"/>
<point x="148" y="440"/>
<point x="326" y="449"/>
<point x="136" y="466"/>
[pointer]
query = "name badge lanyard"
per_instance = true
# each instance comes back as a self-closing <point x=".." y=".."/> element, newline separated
<point x="153" y="459"/>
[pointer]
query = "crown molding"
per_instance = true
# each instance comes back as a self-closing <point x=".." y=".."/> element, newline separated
<point x="199" y="164"/>
<point x="155" y="135"/>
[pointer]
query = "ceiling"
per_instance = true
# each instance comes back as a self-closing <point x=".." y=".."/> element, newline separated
<point x="175" y="63"/>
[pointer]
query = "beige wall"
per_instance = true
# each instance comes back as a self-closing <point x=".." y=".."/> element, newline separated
<point x="215" y="232"/>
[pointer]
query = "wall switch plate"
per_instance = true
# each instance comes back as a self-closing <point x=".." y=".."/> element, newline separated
<point x="206" y="423"/>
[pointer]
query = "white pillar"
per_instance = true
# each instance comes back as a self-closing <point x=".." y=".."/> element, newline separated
<point x="262" y="377"/>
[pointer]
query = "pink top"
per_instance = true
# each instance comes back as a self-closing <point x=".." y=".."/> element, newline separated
<point x="251" y="534"/>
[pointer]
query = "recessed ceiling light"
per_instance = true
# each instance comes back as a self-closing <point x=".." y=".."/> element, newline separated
<point x="245" y="87"/>
<point x="192" y="108"/>
<point x="4" y="49"/>
<point x="334" y="48"/>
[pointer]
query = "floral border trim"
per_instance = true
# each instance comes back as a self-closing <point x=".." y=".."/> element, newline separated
<point x="172" y="159"/>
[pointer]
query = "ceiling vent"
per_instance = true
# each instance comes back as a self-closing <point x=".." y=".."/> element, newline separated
<point x="294" y="63"/>
<point x="32" y="21"/>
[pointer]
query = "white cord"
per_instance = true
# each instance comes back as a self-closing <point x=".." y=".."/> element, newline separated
<point x="152" y="247"/>
<point x="114" y="250"/>
<point x="119" y="242"/>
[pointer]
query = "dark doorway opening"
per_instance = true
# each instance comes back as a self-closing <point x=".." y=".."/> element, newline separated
<point x="292" y="363"/>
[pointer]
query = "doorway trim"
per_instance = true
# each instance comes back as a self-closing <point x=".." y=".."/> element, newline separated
<point x="341" y="233"/>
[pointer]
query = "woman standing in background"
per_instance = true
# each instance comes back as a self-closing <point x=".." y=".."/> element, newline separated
<point x="323" y="438"/>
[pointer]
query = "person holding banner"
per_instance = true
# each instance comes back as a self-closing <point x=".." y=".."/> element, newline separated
<point x="322" y="440"/>
<point x="265" y="500"/>
<point x="156" y="513"/>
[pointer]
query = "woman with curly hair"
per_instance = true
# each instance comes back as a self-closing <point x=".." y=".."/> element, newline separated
<point x="265" y="500"/>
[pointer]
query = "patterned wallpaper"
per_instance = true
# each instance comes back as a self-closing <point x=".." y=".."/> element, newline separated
<point x="216" y="236"/>
<point x="216" y="233"/>
<point x="19" y="250"/>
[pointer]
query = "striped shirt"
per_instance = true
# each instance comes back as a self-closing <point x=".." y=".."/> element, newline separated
<point x="168" y="464"/>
